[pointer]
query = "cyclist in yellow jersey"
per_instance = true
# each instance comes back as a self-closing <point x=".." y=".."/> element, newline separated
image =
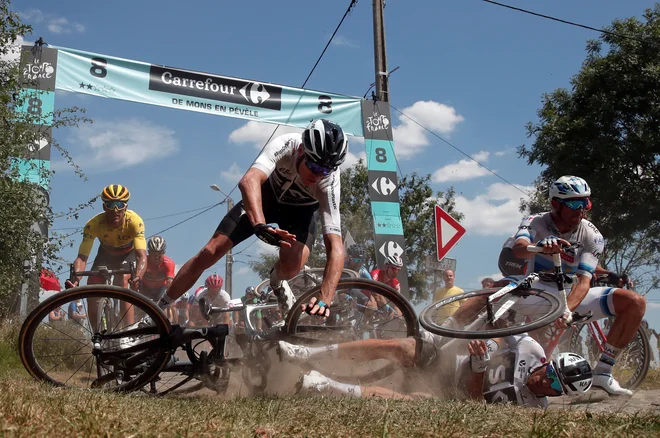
<point x="121" y="235"/>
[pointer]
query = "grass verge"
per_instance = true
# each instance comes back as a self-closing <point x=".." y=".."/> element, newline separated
<point x="30" y="409"/>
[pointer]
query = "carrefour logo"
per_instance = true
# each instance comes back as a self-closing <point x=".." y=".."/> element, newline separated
<point x="383" y="186"/>
<point x="390" y="248"/>
<point x="221" y="88"/>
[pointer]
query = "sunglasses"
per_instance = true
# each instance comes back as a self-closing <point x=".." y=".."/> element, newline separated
<point x="357" y="260"/>
<point x="576" y="204"/>
<point x="318" y="170"/>
<point x="114" y="205"/>
<point x="551" y="374"/>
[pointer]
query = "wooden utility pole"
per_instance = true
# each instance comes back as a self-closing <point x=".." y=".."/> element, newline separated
<point x="380" y="57"/>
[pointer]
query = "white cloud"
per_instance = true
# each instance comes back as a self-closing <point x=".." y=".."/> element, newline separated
<point x="12" y="52"/>
<point x="493" y="213"/>
<point x="652" y="305"/>
<point x="476" y="283"/>
<point x="341" y="40"/>
<point x="463" y="170"/>
<point x="352" y="159"/>
<point x="264" y="248"/>
<point x="243" y="270"/>
<point x="503" y="152"/>
<point x="233" y="174"/>
<point x="257" y="133"/>
<point x="54" y="23"/>
<point x="410" y="138"/>
<point x="112" y="145"/>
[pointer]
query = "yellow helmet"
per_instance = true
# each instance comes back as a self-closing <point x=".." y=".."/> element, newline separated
<point x="115" y="192"/>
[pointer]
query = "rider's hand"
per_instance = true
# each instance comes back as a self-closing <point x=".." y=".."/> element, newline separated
<point x="134" y="283"/>
<point x="285" y="237"/>
<point x="563" y="322"/>
<point x="313" y="308"/>
<point x="69" y="284"/>
<point x="552" y="244"/>
<point x="479" y="355"/>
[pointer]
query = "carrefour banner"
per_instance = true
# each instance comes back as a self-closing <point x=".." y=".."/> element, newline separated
<point x="118" y="78"/>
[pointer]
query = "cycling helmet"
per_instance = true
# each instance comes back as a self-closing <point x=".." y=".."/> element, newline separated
<point x="356" y="251"/>
<point x="568" y="187"/>
<point x="115" y="192"/>
<point x="156" y="243"/>
<point x="214" y="282"/>
<point x="394" y="260"/>
<point x="574" y="373"/>
<point x="325" y="144"/>
<point x="250" y="290"/>
<point x="184" y="297"/>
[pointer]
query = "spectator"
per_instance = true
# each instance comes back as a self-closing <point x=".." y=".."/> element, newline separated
<point x="487" y="283"/>
<point x="77" y="312"/>
<point x="448" y="291"/>
<point x="56" y="315"/>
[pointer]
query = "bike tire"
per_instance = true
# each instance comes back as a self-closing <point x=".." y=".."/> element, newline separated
<point x="430" y="322"/>
<point x="157" y="358"/>
<point x="304" y="285"/>
<point x="371" y="373"/>
<point x="639" y="345"/>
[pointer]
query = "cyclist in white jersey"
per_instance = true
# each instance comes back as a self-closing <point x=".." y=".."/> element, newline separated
<point x="214" y="295"/>
<point x="295" y="179"/>
<point x="512" y="369"/>
<point x="569" y="196"/>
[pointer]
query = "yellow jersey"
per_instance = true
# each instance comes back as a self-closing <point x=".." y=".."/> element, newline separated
<point x="119" y="240"/>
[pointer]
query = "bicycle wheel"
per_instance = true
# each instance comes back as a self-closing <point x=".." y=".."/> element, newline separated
<point x="362" y="310"/>
<point x="632" y="364"/>
<point x="533" y="308"/>
<point x="122" y="355"/>
<point x="304" y="281"/>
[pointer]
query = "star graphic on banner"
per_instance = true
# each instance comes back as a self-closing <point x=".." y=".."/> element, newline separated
<point x="82" y="85"/>
<point x="89" y="86"/>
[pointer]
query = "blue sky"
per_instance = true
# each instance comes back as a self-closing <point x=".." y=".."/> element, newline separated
<point x="472" y="72"/>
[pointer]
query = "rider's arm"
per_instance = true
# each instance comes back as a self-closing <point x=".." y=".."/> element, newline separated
<point x="334" y="248"/>
<point x="578" y="292"/>
<point x="520" y="248"/>
<point x="79" y="264"/>
<point x="475" y="386"/>
<point x="89" y="234"/>
<point x="250" y="187"/>
<point x="141" y="256"/>
<point x="140" y="245"/>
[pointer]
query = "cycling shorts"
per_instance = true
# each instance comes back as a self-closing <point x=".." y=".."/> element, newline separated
<point x="298" y="220"/>
<point x="111" y="261"/>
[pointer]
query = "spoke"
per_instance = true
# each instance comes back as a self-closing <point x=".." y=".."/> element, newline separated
<point x="76" y="371"/>
<point x="62" y="361"/>
<point x="58" y="330"/>
<point x="60" y="355"/>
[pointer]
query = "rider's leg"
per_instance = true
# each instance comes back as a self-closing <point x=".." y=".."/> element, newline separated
<point x="290" y="263"/>
<point x="628" y="307"/>
<point x="127" y="309"/>
<point x="190" y="272"/>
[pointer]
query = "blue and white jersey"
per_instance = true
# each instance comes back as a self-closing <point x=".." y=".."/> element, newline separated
<point x="580" y="261"/>
<point x="364" y="273"/>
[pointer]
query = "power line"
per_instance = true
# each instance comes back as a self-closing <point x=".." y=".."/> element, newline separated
<point x="459" y="150"/>
<point x="572" y="23"/>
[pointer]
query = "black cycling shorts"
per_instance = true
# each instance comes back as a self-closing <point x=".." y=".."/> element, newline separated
<point x="299" y="220"/>
<point x="113" y="261"/>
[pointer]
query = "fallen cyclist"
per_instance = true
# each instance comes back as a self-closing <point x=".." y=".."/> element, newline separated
<point x="511" y="369"/>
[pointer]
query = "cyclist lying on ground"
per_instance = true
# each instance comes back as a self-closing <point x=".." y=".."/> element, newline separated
<point x="292" y="182"/>
<point x="512" y="369"/>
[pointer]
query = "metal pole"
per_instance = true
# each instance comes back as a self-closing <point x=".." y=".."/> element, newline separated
<point x="380" y="57"/>
<point x="230" y="257"/>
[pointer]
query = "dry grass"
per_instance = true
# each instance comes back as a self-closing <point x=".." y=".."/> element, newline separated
<point x="30" y="409"/>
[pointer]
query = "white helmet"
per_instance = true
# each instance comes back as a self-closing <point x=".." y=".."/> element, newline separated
<point x="184" y="297"/>
<point x="394" y="260"/>
<point x="156" y="243"/>
<point x="568" y="187"/>
<point x="574" y="373"/>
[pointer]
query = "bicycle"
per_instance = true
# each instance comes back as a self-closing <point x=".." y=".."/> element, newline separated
<point x="514" y="309"/>
<point x="588" y="339"/>
<point x="102" y="361"/>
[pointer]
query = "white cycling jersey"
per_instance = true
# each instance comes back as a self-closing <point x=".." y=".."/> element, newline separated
<point x="280" y="160"/>
<point x="222" y="300"/>
<point x="581" y="261"/>
<point x="507" y="373"/>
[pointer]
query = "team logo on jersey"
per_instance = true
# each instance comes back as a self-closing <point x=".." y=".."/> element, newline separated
<point x="383" y="186"/>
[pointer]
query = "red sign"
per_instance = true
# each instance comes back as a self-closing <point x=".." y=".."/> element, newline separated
<point x="447" y="232"/>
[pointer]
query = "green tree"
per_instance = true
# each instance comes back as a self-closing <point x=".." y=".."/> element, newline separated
<point x="606" y="129"/>
<point x="23" y="204"/>
<point x="417" y="200"/>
